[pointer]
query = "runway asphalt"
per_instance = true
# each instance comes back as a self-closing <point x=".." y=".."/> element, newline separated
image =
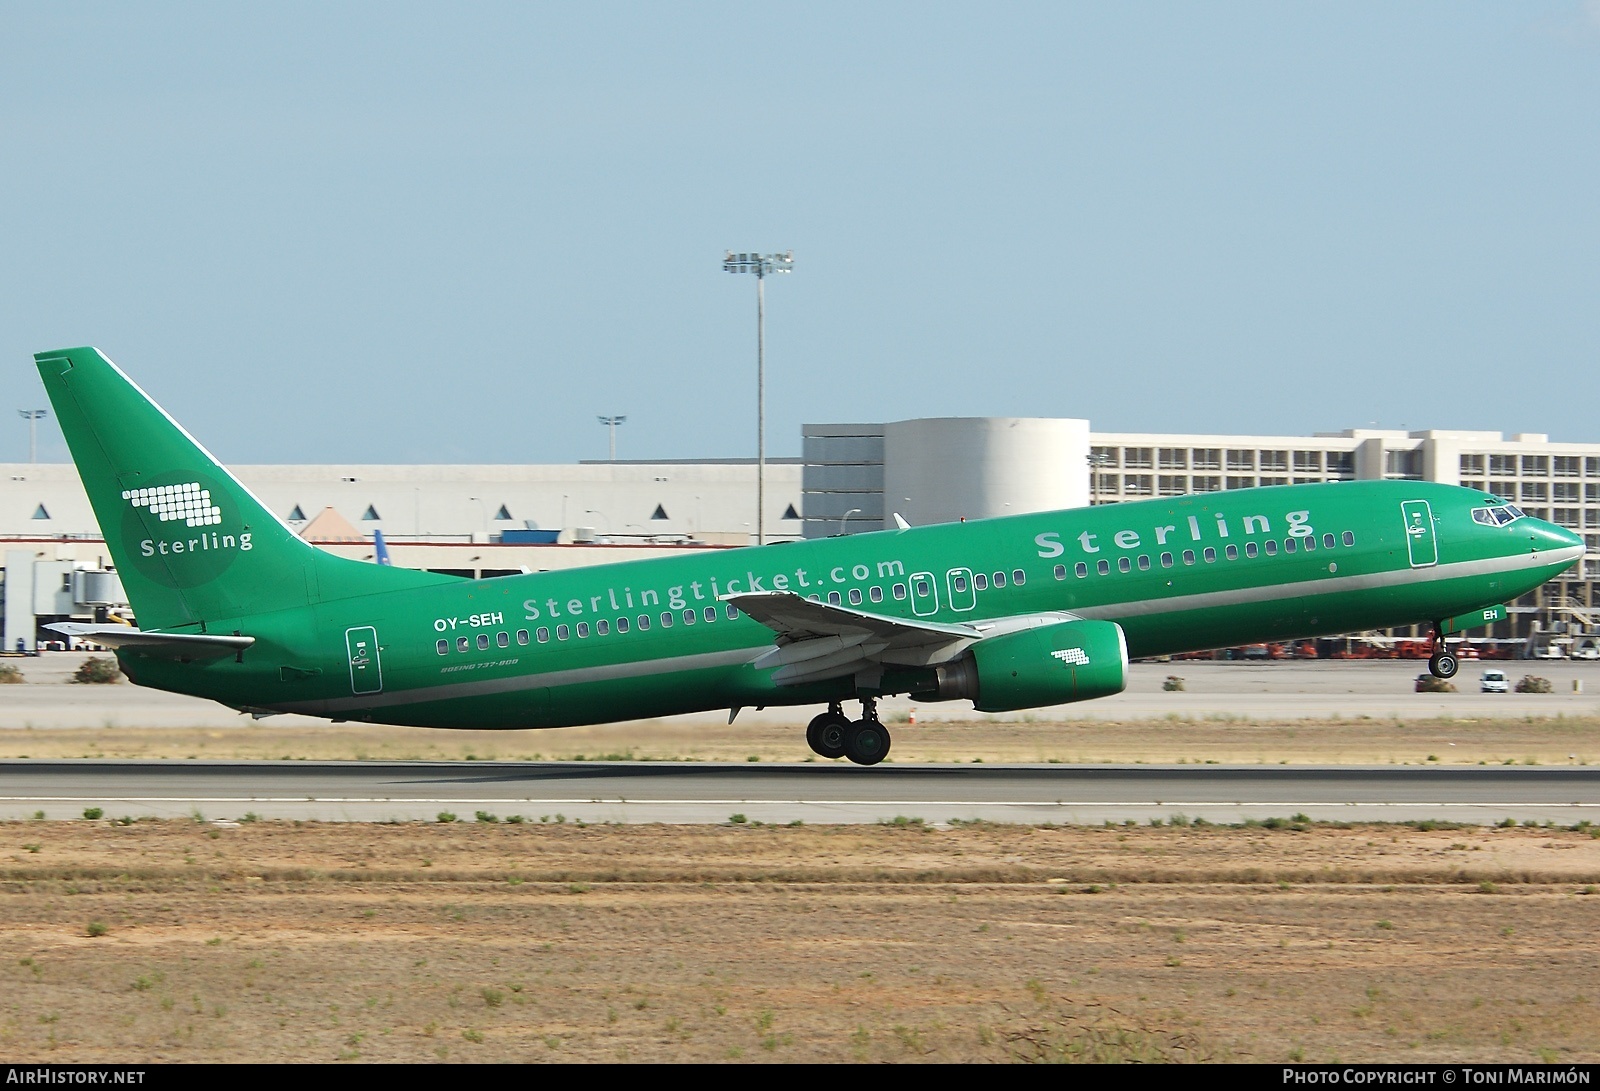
<point x="807" y="792"/>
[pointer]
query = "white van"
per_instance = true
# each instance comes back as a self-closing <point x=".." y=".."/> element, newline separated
<point x="1494" y="681"/>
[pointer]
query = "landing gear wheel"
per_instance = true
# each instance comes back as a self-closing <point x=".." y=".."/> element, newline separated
<point x="1443" y="665"/>
<point x="826" y="733"/>
<point x="866" y="742"/>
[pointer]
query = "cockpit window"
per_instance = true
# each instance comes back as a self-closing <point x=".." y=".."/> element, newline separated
<point x="1498" y="516"/>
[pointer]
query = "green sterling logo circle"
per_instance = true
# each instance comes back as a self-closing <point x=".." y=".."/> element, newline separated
<point x="180" y="530"/>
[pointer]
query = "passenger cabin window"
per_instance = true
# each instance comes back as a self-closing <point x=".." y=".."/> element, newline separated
<point x="562" y="632"/>
<point x="1124" y="564"/>
<point x="583" y="630"/>
<point x="900" y="590"/>
<point x="463" y="644"/>
<point x="875" y="594"/>
<point x="1061" y="572"/>
<point x="1310" y="541"/>
<point x="1210" y="555"/>
<point x="1144" y="563"/>
<point x="522" y="637"/>
<point x="1271" y="547"/>
<point x="1018" y="577"/>
<point x="1166" y="560"/>
<point x="622" y="624"/>
<point x="1348" y="538"/>
<point x="855" y="595"/>
<point x="1250" y="550"/>
<point x="644" y="623"/>
<point x="543" y="634"/>
<point x="981" y="582"/>
<point x="483" y="642"/>
<point x="835" y="600"/>
<point x="688" y="617"/>
<point x="666" y="619"/>
<point x="503" y="639"/>
<point x="1081" y="569"/>
<point x="1327" y="541"/>
<point x="733" y="611"/>
<point x="444" y="647"/>
<point x="1288" y="545"/>
<point x="602" y="627"/>
<point x="1232" y="552"/>
<point x="923" y="588"/>
<point x="1188" y="556"/>
<point x="1103" y="567"/>
<point x="999" y="579"/>
<point x="961" y="583"/>
<point x="711" y="613"/>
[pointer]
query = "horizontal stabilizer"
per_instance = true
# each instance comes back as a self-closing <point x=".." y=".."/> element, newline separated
<point x="174" y="645"/>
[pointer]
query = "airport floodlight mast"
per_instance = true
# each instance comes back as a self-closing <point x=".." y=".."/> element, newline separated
<point x="33" y="417"/>
<point x="611" y="424"/>
<point x="760" y="265"/>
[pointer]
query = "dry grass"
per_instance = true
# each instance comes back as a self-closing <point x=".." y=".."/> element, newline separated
<point x="277" y="941"/>
<point x="1555" y="741"/>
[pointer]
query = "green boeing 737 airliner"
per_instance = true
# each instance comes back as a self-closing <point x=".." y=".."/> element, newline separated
<point x="1010" y="613"/>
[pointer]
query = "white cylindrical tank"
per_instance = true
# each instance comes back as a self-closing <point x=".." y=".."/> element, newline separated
<point x="941" y="469"/>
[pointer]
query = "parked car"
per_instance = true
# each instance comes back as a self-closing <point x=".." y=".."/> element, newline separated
<point x="1492" y="681"/>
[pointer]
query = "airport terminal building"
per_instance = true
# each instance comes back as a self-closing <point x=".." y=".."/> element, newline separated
<point x="495" y="520"/>
<point x="860" y="475"/>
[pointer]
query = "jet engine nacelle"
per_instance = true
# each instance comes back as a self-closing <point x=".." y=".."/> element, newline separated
<point x="1045" y="665"/>
<point x="1050" y="665"/>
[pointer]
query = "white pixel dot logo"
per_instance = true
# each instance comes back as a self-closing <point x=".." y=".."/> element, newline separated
<point x="189" y="504"/>
<point x="1072" y="655"/>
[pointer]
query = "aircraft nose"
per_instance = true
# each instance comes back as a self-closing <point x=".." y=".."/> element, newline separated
<point x="1549" y="538"/>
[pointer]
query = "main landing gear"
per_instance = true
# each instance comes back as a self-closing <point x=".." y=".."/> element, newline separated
<point x="834" y="735"/>
<point x="1441" y="664"/>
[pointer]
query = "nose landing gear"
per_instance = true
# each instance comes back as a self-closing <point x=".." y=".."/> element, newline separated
<point x="1442" y="664"/>
<point x="864" y="741"/>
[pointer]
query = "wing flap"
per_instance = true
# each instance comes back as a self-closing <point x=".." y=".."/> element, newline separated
<point x="817" y="641"/>
<point x="796" y="618"/>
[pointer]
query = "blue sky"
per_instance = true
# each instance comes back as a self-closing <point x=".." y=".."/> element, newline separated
<point x="457" y="233"/>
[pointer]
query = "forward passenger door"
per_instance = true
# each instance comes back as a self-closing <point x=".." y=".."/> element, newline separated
<point x="1420" y="542"/>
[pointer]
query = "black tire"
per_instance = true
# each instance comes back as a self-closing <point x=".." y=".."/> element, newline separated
<point x="1444" y="665"/>
<point x="867" y="742"/>
<point x="825" y="735"/>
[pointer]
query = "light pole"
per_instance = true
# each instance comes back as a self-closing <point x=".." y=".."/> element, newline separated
<point x="33" y="417"/>
<point x="760" y="265"/>
<point x="611" y="423"/>
<point x="846" y="516"/>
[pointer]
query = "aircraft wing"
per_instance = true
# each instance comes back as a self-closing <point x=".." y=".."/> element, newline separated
<point x="816" y="641"/>
<point x="165" y="645"/>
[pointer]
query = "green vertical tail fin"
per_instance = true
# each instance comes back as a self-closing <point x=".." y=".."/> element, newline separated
<point x="191" y="543"/>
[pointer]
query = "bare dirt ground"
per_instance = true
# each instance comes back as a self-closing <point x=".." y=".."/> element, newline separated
<point x="186" y="941"/>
